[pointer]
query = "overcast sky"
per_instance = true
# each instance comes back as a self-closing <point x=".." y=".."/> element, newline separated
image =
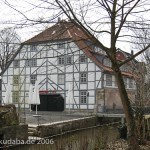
<point x="10" y="17"/>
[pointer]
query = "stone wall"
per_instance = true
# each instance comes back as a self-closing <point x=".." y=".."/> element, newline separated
<point x="58" y="128"/>
<point x="19" y="132"/>
<point x="8" y="116"/>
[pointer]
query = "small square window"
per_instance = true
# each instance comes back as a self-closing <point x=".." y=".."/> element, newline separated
<point x="31" y="62"/>
<point x="33" y="78"/>
<point x="28" y="63"/>
<point x="33" y="48"/>
<point x="16" y="63"/>
<point x="83" y="77"/>
<point x="69" y="60"/>
<point x="61" y="45"/>
<point x="83" y="97"/>
<point x="15" y="96"/>
<point x="61" y="79"/>
<point x="15" y="80"/>
<point x="83" y="59"/>
<point x="61" y="60"/>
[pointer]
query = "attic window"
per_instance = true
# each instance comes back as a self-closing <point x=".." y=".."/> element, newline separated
<point x="83" y="59"/>
<point x="61" y="45"/>
<point x="33" y="48"/>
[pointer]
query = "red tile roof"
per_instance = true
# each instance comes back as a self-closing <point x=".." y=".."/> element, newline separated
<point x="60" y="31"/>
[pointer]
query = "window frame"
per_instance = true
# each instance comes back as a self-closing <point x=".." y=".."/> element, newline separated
<point x="61" y="45"/>
<point x="31" y="62"/>
<point x="109" y="80"/>
<point x="68" y="60"/>
<point x="33" y="48"/>
<point x="15" y="96"/>
<point x="107" y="62"/>
<point x="33" y="78"/>
<point x="16" y="79"/>
<point x="16" y="63"/>
<point x="83" y="77"/>
<point x="83" y="59"/>
<point x="83" y="97"/>
<point x="61" y="60"/>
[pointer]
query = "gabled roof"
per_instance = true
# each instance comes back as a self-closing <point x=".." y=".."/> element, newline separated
<point x="60" y="31"/>
<point x="66" y="30"/>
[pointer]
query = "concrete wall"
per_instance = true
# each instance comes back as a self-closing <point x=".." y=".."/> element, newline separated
<point x="58" y="128"/>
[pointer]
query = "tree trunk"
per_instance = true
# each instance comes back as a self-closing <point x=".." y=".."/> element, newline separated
<point x="131" y="127"/>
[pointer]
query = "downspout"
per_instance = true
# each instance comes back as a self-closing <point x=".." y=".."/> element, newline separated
<point x="102" y="85"/>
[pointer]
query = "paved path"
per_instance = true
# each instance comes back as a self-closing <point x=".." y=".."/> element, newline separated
<point x="49" y="116"/>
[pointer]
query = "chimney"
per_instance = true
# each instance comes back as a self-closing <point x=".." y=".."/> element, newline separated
<point x="132" y="53"/>
<point x="59" y="19"/>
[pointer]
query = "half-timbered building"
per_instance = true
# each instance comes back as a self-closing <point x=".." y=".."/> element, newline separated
<point x="61" y="55"/>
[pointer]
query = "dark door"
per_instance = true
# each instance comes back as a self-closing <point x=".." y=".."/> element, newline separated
<point x="50" y="102"/>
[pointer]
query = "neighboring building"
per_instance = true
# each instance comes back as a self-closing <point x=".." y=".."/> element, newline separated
<point x="63" y="54"/>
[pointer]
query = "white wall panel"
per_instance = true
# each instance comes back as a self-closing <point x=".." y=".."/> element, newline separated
<point x="91" y="67"/>
<point x="83" y="106"/>
<point x="83" y="67"/>
<point x="91" y="76"/>
<point x="83" y="86"/>
<point x="91" y="100"/>
<point x="90" y="106"/>
<point x="91" y="85"/>
<point x="76" y="93"/>
<point x="76" y="76"/>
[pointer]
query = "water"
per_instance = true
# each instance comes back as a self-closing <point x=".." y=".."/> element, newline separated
<point x="88" y="139"/>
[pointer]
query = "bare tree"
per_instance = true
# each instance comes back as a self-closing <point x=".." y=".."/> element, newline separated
<point x="9" y="43"/>
<point x="107" y="20"/>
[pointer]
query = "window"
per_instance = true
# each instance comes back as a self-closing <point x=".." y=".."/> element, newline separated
<point x="28" y="63"/>
<point x="69" y="60"/>
<point x="61" y="60"/>
<point x="33" y="78"/>
<point x="83" y="59"/>
<point x="108" y="80"/>
<point x="15" y="80"/>
<point x="33" y="48"/>
<point x="15" y="96"/>
<point x="130" y="83"/>
<point x="31" y="62"/>
<point x="83" y="77"/>
<point x="107" y="62"/>
<point x="61" y="45"/>
<point x="16" y="63"/>
<point x="61" y="79"/>
<point x="83" y="97"/>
